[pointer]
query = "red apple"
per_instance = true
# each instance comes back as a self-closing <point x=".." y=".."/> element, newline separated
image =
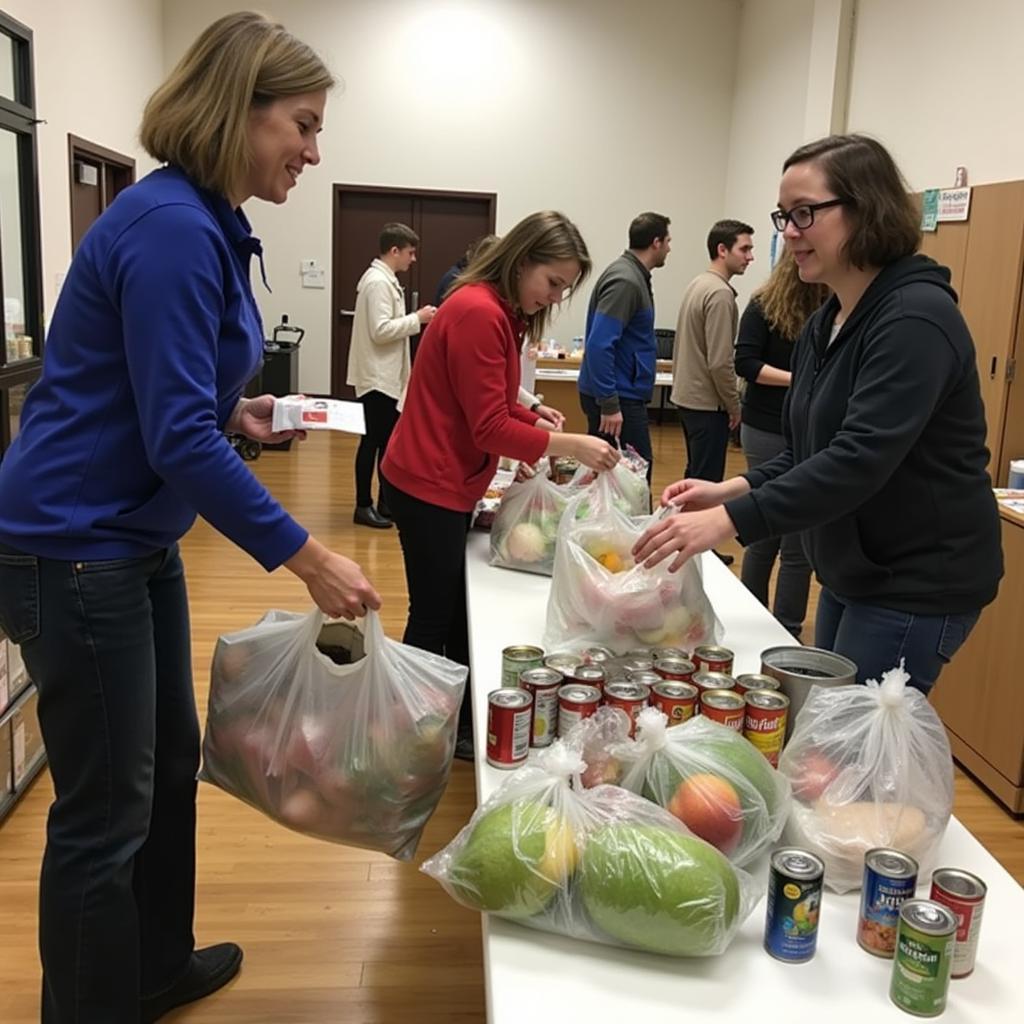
<point x="710" y="808"/>
<point x="601" y="769"/>
<point x="814" y="774"/>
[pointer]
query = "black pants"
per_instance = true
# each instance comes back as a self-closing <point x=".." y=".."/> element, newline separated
<point x="107" y="644"/>
<point x="707" y="440"/>
<point x="433" y="543"/>
<point x="381" y="417"/>
<point x="636" y="428"/>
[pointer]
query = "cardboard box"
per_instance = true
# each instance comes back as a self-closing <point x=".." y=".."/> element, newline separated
<point x="26" y="738"/>
<point x="5" y="678"/>
<point x="6" y="764"/>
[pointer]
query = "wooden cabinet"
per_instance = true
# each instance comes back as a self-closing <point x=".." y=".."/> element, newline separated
<point x="979" y="695"/>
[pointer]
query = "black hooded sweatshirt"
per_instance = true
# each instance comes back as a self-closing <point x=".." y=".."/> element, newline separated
<point x="885" y="466"/>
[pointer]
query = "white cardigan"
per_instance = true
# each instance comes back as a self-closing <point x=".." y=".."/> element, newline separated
<point x="378" y="357"/>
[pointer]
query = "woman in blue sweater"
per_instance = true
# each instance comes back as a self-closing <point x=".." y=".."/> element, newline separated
<point x="121" y="445"/>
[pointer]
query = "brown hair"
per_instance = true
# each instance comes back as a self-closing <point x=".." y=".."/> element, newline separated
<point x="397" y="236"/>
<point x="543" y="237"/>
<point x="884" y="222"/>
<point x="198" y="118"/>
<point x="725" y="232"/>
<point x="788" y="302"/>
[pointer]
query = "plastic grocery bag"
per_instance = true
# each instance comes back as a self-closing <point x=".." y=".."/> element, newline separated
<point x="711" y="778"/>
<point x="599" y="596"/>
<point x="598" y="864"/>
<point x="355" y="753"/>
<point x="870" y="766"/>
<point x="623" y="487"/>
<point x="526" y="524"/>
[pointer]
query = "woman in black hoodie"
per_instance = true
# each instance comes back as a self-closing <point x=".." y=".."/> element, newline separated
<point x="884" y="472"/>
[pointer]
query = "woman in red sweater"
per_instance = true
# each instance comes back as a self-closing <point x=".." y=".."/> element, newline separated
<point x="461" y="413"/>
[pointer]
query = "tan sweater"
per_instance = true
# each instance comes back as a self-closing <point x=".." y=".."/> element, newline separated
<point x="703" y="370"/>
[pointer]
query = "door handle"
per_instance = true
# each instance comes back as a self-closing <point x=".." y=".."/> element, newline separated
<point x="347" y="312"/>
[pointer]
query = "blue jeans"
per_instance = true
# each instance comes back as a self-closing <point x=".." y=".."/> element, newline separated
<point x="875" y="639"/>
<point x="636" y="427"/>
<point x="107" y="645"/>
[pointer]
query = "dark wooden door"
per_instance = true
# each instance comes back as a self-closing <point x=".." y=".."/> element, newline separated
<point x="97" y="174"/>
<point x="446" y="223"/>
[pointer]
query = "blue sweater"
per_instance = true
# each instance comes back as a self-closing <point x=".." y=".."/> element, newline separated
<point x="154" y="336"/>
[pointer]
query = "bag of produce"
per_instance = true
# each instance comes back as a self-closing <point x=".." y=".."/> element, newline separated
<point x="869" y="766"/>
<point x="600" y="596"/>
<point x="624" y="487"/>
<point x="526" y="524"/>
<point x="355" y="753"/>
<point x="598" y="864"/>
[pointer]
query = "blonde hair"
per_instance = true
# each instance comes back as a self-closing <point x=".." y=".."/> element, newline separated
<point x="788" y="302"/>
<point x="198" y="118"/>
<point x="544" y="237"/>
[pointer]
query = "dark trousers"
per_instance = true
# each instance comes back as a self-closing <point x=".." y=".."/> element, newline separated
<point x="636" y="428"/>
<point x="381" y="416"/>
<point x="433" y="543"/>
<point x="107" y="644"/>
<point x="794" y="580"/>
<point x="707" y="440"/>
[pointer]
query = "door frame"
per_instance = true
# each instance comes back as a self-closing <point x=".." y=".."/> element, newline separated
<point x="79" y="146"/>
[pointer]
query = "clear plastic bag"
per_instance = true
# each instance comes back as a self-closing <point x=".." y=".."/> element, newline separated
<point x="599" y="864"/>
<point x="869" y="766"/>
<point x="525" y="526"/>
<point x="600" y="597"/>
<point x="624" y="487"/>
<point x="711" y="778"/>
<point x="354" y="753"/>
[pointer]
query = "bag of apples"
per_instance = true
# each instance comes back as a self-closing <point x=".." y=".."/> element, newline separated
<point x="601" y="597"/>
<point x="356" y="752"/>
<point x="870" y="766"/>
<point x="599" y="864"/>
<point x="526" y="524"/>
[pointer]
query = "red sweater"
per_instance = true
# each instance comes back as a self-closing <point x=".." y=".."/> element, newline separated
<point x="461" y="410"/>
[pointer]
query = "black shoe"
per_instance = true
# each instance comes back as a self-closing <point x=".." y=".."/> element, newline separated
<point x="724" y="559"/>
<point x="383" y="510"/>
<point x="208" y="970"/>
<point x="465" y="749"/>
<point x="367" y="515"/>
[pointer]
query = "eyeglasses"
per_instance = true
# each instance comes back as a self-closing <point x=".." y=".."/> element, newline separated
<point x="802" y="217"/>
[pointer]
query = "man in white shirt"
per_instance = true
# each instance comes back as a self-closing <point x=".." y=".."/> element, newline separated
<point x="378" y="358"/>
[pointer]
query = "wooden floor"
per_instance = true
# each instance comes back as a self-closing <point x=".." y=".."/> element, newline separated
<point x="330" y="934"/>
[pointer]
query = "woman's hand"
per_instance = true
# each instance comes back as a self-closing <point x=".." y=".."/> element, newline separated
<point x="550" y="419"/>
<point x="684" y="534"/>
<point x="254" y="416"/>
<point x="691" y="494"/>
<point x="336" y="584"/>
<point x="595" y="454"/>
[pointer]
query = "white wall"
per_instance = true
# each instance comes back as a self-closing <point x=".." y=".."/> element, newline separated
<point x="96" y="62"/>
<point x="596" y="107"/>
<point x="938" y="81"/>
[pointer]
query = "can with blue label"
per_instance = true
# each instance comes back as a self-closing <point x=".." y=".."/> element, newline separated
<point x="794" y="902"/>
<point x="890" y="879"/>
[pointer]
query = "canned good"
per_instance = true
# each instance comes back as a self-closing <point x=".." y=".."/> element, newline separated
<point x="794" y="903"/>
<point x="543" y="684"/>
<point x="563" y="661"/>
<point x="670" y="654"/>
<point x="639" y="652"/>
<point x="923" y="958"/>
<point x="713" y="681"/>
<point x="764" y="722"/>
<point x="677" y="701"/>
<point x="756" y="681"/>
<point x="712" y="659"/>
<point x="890" y="879"/>
<point x="597" y="655"/>
<point x="563" y="468"/>
<point x="629" y="697"/>
<point x="679" y="670"/>
<point x="964" y="894"/>
<point x="576" y="702"/>
<point x="590" y="675"/>
<point x="724" y="706"/>
<point x="508" y="727"/>
<point x="515" y="660"/>
<point x="637" y="664"/>
<point x="645" y="677"/>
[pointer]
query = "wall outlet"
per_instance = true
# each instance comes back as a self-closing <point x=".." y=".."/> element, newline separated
<point x="306" y="266"/>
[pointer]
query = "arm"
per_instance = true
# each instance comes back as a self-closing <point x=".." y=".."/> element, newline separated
<point x="383" y="328"/>
<point x="718" y="335"/>
<point x="752" y="350"/>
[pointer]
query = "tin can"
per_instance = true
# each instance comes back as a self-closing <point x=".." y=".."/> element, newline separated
<point x="794" y="903"/>
<point x="543" y="685"/>
<point x="590" y="675"/>
<point x="677" y="701"/>
<point x="724" y="706"/>
<point x="764" y="723"/>
<point x="890" y="879"/>
<point x="670" y="654"/>
<point x="576" y="702"/>
<point x="563" y="661"/>
<point x="597" y="655"/>
<point x="923" y="958"/>
<point x="563" y="468"/>
<point x="964" y="894"/>
<point x="637" y="664"/>
<point x="515" y="660"/>
<point x="639" y="652"/>
<point x="679" y="670"/>
<point x="629" y="697"/>
<point x="713" y="681"/>
<point x="642" y="676"/>
<point x="756" y="681"/>
<point x="712" y="659"/>
<point x="508" y="727"/>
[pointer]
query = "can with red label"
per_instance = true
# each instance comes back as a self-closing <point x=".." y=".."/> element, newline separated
<point x="515" y="660"/>
<point x="564" y="662"/>
<point x="724" y="706"/>
<point x="648" y="679"/>
<point x="756" y="681"/>
<point x="712" y="659"/>
<point x="598" y="655"/>
<point x="713" y="681"/>
<point x="576" y="702"/>
<point x="589" y="675"/>
<point x="678" y="670"/>
<point x="676" y="700"/>
<point x="629" y="697"/>
<point x="963" y="894"/>
<point x="543" y="684"/>
<point x="643" y="663"/>
<point x="508" y="727"/>
<point x="765" y="722"/>
<point x="670" y="654"/>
